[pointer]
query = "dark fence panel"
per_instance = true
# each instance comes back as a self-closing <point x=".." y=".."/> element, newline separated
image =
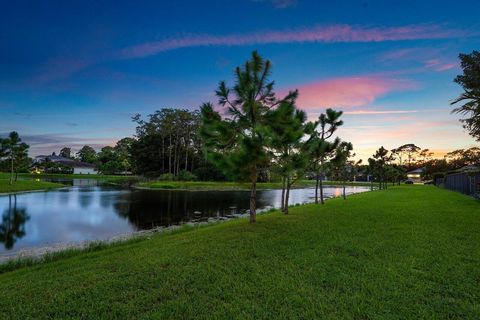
<point x="463" y="182"/>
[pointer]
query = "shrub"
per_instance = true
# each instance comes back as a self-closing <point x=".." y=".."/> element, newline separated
<point x="167" y="177"/>
<point x="186" y="176"/>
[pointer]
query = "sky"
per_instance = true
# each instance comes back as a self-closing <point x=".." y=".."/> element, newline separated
<point x="75" y="72"/>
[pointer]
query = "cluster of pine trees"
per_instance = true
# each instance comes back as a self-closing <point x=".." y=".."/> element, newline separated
<point x="257" y="132"/>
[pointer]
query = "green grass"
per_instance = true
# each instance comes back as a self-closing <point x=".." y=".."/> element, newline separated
<point x="215" y="185"/>
<point x="410" y="252"/>
<point x="26" y="185"/>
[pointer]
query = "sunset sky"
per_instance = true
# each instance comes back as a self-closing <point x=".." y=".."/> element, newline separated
<point x="73" y="73"/>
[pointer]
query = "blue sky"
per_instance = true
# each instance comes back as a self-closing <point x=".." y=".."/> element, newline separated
<point x="74" y="72"/>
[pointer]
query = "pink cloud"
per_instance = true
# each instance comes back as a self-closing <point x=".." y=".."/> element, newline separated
<point x="61" y="68"/>
<point x="398" y="54"/>
<point x="438" y="65"/>
<point x="347" y="92"/>
<point x="324" y="34"/>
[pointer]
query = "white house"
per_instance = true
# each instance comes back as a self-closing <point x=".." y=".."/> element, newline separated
<point x="415" y="175"/>
<point x="84" y="168"/>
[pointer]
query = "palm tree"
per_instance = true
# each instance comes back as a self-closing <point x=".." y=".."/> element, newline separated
<point x="238" y="141"/>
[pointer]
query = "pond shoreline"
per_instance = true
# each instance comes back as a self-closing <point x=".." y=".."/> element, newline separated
<point x="34" y="190"/>
<point x="54" y="245"/>
<point x="37" y="254"/>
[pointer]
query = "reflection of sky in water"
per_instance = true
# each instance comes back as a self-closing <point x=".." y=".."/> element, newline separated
<point x="98" y="212"/>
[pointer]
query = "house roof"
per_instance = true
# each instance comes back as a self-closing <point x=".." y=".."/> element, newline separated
<point x="75" y="164"/>
<point x="54" y="158"/>
<point x="419" y="170"/>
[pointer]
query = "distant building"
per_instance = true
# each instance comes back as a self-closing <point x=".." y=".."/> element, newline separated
<point x="78" y="167"/>
<point x="416" y="175"/>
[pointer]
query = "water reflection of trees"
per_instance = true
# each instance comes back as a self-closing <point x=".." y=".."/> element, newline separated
<point x="148" y="209"/>
<point x="12" y="227"/>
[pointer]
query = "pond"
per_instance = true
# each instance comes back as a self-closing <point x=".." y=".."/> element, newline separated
<point x="87" y="211"/>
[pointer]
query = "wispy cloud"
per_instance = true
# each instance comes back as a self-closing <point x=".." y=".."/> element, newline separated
<point x="347" y="92"/>
<point x="322" y="34"/>
<point x="439" y="65"/>
<point x="63" y="67"/>
<point x="48" y="143"/>
<point x="375" y="112"/>
<point x="429" y="58"/>
<point x="280" y="4"/>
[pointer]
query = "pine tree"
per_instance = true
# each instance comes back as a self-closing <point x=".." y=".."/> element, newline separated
<point x="238" y="141"/>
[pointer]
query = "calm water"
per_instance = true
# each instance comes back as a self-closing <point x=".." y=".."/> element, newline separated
<point x="87" y="211"/>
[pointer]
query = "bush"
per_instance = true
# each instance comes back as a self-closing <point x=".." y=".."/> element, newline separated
<point x="186" y="176"/>
<point x="167" y="177"/>
<point x="209" y="173"/>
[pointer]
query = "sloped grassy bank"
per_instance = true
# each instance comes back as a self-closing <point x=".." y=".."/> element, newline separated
<point x="407" y="252"/>
<point x="26" y="185"/>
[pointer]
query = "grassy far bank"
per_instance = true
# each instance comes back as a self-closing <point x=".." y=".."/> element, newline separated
<point x="218" y="185"/>
<point x="178" y="185"/>
<point x="6" y="175"/>
<point x="407" y="252"/>
<point x="26" y="185"/>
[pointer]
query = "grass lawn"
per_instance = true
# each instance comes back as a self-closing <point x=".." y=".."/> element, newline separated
<point x="409" y="252"/>
<point x="26" y="185"/>
<point x="213" y="185"/>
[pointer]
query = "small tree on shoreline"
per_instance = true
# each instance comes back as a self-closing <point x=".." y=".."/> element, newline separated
<point x="287" y="130"/>
<point x="16" y="151"/>
<point x="341" y="165"/>
<point x="319" y="149"/>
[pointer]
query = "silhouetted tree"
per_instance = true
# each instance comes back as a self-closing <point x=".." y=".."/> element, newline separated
<point x="66" y="152"/>
<point x="87" y="154"/>
<point x="378" y="165"/>
<point x="470" y="82"/>
<point x="167" y="142"/>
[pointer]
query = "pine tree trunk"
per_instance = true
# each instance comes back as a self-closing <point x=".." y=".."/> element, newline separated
<point x="321" y="190"/>
<point x="316" y="187"/>
<point x="175" y="158"/>
<point x="344" y="195"/>
<point x="253" y="201"/>
<point x="287" y="196"/>
<point x="11" y="169"/>
<point x="282" y="205"/>
<point x="163" y="155"/>
<point x="187" y="142"/>
<point x="170" y="155"/>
